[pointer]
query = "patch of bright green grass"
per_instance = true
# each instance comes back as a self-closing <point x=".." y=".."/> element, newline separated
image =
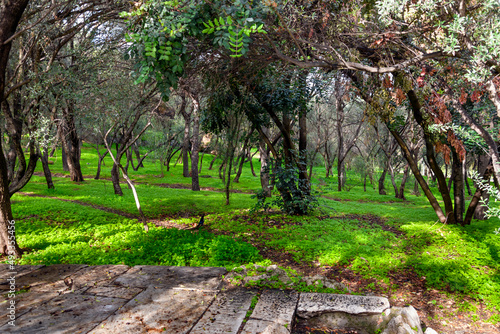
<point x="155" y="201"/>
<point x="61" y="232"/>
<point x="151" y="172"/>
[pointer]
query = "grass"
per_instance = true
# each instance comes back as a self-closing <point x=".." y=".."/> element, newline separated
<point x="463" y="261"/>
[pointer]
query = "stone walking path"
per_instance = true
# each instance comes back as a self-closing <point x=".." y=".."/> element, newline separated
<point x="154" y="299"/>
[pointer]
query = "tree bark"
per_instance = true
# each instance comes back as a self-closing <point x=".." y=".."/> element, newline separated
<point x="403" y="183"/>
<point x="185" y="142"/>
<point x="250" y="160"/>
<point x="195" y="145"/>
<point x="71" y="143"/>
<point x="44" y="157"/>
<point x="486" y="170"/>
<point x="115" y="178"/>
<point x="304" y="183"/>
<point x="99" y="162"/>
<point x="10" y="14"/>
<point x="416" y="172"/>
<point x="242" y="158"/>
<point x="474" y="206"/>
<point x="64" y="158"/>
<point x="381" y="180"/>
<point x="431" y="158"/>
<point x="138" y="156"/>
<point x="264" y="167"/>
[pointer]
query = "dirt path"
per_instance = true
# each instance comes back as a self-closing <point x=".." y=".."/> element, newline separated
<point x="95" y="206"/>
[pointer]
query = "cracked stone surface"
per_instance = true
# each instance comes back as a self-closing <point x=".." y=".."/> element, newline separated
<point x="226" y="313"/>
<point x="199" y="278"/>
<point x="158" y="310"/>
<point x="93" y="276"/>
<point x="114" y="291"/>
<point x="264" y="327"/>
<point x="69" y="313"/>
<point x="46" y="279"/>
<point x="274" y="306"/>
<point x="312" y="304"/>
<point x="24" y="303"/>
<point x="109" y="299"/>
<point x="6" y="270"/>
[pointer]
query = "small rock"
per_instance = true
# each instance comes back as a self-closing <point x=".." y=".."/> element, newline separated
<point x="430" y="331"/>
<point x="410" y="317"/>
<point x="398" y="326"/>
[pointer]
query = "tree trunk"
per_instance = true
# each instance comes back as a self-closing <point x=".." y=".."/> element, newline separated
<point x="8" y="243"/>
<point x="10" y="14"/>
<point x="228" y="176"/>
<point x="240" y="166"/>
<point x="340" y="160"/>
<point x="201" y="162"/>
<point x="393" y="180"/>
<point x="64" y="158"/>
<point x="458" y="189"/>
<point x="212" y="162"/>
<point x="135" y="148"/>
<point x="416" y="189"/>
<point x="46" y="170"/>
<point x="185" y="146"/>
<point x="170" y="158"/>
<point x="425" y="187"/>
<point x="264" y="167"/>
<point x="99" y="163"/>
<point x="452" y="177"/>
<point x="475" y="210"/>
<point x="115" y="178"/>
<point x="431" y="158"/>
<point x="486" y="170"/>
<point x="381" y="180"/>
<point x="71" y="144"/>
<point x="466" y="179"/>
<point x="250" y="160"/>
<point x="403" y="183"/>
<point x="195" y="141"/>
<point x="304" y="183"/>
<point x="242" y="158"/>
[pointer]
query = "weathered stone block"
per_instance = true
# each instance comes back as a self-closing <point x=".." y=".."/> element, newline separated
<point x="313" y="304"/>
<point x="226" y="313"/>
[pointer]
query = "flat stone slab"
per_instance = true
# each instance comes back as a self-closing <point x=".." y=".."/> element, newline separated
<point x="226" y="313"/>
<point x="45" y="279"/>
<point x="313" y="304"/>
<point x="158" y="310"/>
<point x="114" y="291"/>
<point x="6" y="270"/>
<point x="274" y="306"/>
<point x="69" y="313"/>
<point x="93" y="276"/>
<point x="24" y="302"/>
<point x="199" y="278"/>
<point x="264" y="327"/>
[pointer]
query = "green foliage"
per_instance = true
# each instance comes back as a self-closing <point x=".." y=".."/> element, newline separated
<point x="159" y="32"/>
<point x="239" y="36"/>
<point x="163" y="34"/>
<point x="295" y="198"/>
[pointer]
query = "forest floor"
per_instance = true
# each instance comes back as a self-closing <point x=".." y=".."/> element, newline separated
<point x="372" y="243"/>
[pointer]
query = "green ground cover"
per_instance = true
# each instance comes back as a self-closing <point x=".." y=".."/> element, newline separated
<point x="463" y="261"/>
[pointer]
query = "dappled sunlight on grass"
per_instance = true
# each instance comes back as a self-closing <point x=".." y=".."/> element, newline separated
<point x="375" y="236"/>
